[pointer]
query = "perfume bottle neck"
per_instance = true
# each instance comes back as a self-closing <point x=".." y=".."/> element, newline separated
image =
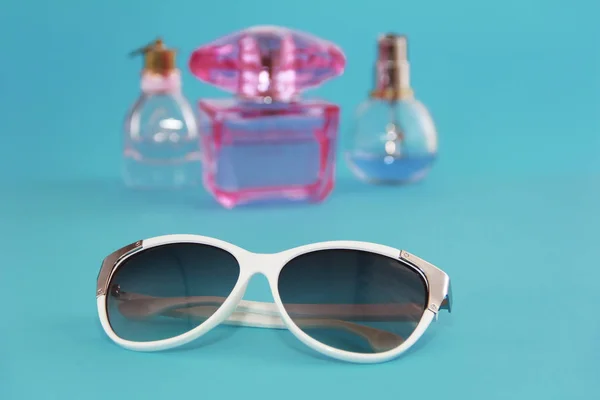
<point x="392" y="81"/>
<point x="153" y="83"/>
<point x="392" y="69"/>
<point x="267" y="98"/>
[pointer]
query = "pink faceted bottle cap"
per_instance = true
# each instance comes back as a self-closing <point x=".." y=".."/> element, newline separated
<point x="267" y="61"/>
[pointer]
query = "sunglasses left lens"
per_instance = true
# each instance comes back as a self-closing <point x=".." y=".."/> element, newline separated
<point x="353" y="300"/>
<point x="168" y="290"/>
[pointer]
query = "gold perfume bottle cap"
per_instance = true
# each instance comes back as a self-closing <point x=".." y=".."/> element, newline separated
<point x="158" y="58"/>
<point x="392" y="70"/>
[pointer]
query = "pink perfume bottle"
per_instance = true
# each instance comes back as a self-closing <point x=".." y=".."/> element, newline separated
<point x="267" y="144"/>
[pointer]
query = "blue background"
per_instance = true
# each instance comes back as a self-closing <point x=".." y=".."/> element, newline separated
<point x="510" y="210"/>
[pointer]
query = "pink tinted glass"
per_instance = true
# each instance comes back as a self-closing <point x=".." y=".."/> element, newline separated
<point x="254" y="152"/>
<point x="267" y="61"/>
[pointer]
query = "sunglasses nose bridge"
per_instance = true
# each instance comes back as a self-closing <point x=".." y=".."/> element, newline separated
<point x="261" y="264"/>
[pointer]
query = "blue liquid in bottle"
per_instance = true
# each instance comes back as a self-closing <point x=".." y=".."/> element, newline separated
<point x="386" y="169"/>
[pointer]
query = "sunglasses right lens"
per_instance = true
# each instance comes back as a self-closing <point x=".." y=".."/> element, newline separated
<point x="165" y="291"/>
<point x="353" y="300"/>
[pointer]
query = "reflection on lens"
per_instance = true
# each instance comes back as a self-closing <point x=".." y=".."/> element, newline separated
<point x="164" y="291"/>
<point x="353" y="300"/>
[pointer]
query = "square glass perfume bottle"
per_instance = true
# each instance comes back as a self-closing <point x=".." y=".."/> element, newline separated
<point x="267" y="144"/>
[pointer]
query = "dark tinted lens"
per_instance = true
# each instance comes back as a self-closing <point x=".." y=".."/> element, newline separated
<point x="165" y="291"/>
<point x="353" y="300"/>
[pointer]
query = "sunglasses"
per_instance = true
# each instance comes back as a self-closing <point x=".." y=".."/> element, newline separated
<point x="353" y="301"/>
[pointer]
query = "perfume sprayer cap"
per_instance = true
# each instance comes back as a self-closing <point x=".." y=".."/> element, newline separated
<point x="392" y="70"/>
<point x="267" y="61"/>
<point x="158" y="58"/>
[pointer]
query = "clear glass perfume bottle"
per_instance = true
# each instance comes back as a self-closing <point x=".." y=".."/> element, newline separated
<point x="161" y="147"/>
<point x="267" y="144"/>
<point x="394" y="139"/>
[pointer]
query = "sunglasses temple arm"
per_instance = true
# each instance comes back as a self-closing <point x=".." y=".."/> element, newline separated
<point x="378" y="339"/>
<point x="447" y="302"/>
<point x="266" y="315"/>
<point x="137" y="306"/>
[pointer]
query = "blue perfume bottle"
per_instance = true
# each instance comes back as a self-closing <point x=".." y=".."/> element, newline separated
<point x="394" y="139"/>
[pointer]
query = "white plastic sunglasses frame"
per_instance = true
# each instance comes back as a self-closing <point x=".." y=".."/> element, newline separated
<point x="273" y="315"/>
